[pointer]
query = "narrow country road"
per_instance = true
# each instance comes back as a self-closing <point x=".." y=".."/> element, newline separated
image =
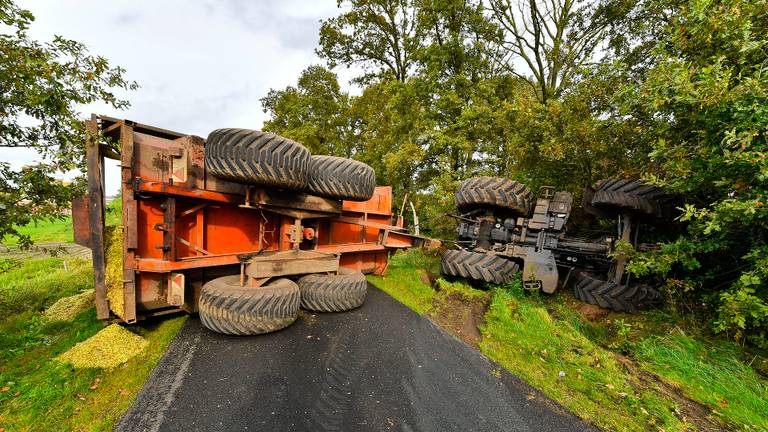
<point x="379" y="368"/>
<point x="45" y="250"/>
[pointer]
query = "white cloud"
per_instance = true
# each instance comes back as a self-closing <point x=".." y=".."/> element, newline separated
<point x="201" y="65"/>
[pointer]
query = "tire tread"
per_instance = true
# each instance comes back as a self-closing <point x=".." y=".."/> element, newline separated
<point x="477" y="266"/>
<point x="255" y="157"/>
<point x="610" y="295"/>
<point x="226" y="307"/>
<point x="496" y="192"/>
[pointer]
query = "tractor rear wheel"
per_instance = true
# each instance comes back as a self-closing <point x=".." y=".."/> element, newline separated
<point x="496" y="193"/>
<point x="478" y="266"/>
<point x="254" y="157"/>
<point x="341" y="178"/>
<point x="333" y="293"/>
<point x="617" y="196"/>
<point x="611" y="295"/>
<point x="228" y="308"/>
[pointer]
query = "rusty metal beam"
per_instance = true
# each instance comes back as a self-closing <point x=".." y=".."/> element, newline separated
<point x="129" y="219"/>
<point x="96" y="217"/>
<point x="167" y="189"/>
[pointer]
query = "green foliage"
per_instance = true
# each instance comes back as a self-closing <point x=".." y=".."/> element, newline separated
<point x="707" y="91"/>
<point x="379" y="35"/>
<point x="43" y="84"/>
<point x="314" y="113"/>
<point x="438" y="107"/>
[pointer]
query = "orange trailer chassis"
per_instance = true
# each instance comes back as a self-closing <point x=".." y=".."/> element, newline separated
<point x="182" y="227"/>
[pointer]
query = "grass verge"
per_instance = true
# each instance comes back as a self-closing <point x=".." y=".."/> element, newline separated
<point x="617" y="371"/>
<point x="408" y="279"/>
<point x="38" y="393"/>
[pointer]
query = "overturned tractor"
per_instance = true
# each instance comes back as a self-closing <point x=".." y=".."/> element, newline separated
<point x="503" y="227"/>
<point x="244" y="227"/>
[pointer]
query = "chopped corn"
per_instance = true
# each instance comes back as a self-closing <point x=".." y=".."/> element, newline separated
<point x="67" y="308"/>
<point x="107" y="349"/>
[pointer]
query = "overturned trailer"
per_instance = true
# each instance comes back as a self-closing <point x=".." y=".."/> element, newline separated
<point x="237" y="227"/>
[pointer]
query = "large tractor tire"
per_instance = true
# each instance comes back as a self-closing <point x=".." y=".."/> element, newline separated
<point x="496" y="193"/>
<point x="254" y="157"/>
<point x="333" y="293"/>
<point x="228" y="308"/>
<point x="610" y="295"/>
<point x="477" y="266"/>
<point x="341" y="178"/>
<point x="617" y="196"/>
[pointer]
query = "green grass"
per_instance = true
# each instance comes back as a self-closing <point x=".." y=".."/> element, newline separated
<point x="38" y="393"/>
<point x="60" y="230"/>
<point x="32" y="285"/>
<point x="402" y="279"/>
<point x="521" y="335"/>
<point x="606" y="362"/>
<point x="712" y="373"/>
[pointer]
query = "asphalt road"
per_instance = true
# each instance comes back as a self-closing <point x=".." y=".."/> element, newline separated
<point x="381" y="367"/>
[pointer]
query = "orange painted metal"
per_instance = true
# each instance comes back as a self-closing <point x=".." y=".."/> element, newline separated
<point x="179" y="219"/>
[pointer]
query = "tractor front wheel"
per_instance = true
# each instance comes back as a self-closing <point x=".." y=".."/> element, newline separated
<point x="477" y="266"/>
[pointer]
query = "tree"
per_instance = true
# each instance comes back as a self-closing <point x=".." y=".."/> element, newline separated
<point x="705" y="96"/>
<point x="41" y="86"/>
<point x="315" y="113"/>
<point x="380" y="35"/>
<point x="554" y="38"/>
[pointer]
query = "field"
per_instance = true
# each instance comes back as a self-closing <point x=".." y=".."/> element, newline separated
<point x="649" y="371"/>
<point x="60" y="230"/>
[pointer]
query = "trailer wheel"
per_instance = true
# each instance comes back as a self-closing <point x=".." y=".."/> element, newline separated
<point x="477" y="266"/>
<point x="611" y="295"/>
<point x="333" y="293"/>
<point x="254" y="157"/>
<point x="228" y="308"/>
<point x="615" y="196"/>
<point x="494" y="192"/>
<point x="341" y="178"/>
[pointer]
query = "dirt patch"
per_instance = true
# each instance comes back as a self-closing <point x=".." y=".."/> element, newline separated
<point x="427" y="278"/>
<point x="688" y="410"/>
<point x="460" y="316"/>
<point x="591" y="312"/>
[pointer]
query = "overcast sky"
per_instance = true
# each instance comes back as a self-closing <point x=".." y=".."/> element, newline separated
<point x="201" y="65"/>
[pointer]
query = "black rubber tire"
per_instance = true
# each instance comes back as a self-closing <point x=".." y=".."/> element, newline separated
<point x="477" y="266"/>
<point x="632" y="196"/>
<point x="610" y="295"/>
<point x="226" y="307"/>
<point x="333" y="293"/>
<point x="496" y="193"/>
<point x="341" y="178"/>
<point x="254" y="157"/>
